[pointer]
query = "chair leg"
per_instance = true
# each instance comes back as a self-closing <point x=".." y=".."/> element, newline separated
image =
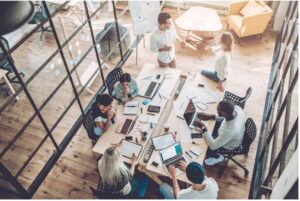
<point x="221" y="173"/>
<point x="245" y="169"/>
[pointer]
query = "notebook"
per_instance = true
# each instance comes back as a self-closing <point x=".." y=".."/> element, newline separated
<point x="128" y="148"/>
<point x="131" y="108"/>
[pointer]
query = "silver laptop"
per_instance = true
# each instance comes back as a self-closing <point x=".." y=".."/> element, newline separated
<point x="172" y="155"/>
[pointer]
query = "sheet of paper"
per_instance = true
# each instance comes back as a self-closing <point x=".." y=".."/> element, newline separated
<point x="128" y="148"/>
<point x="180" y="106"/>
<point x="185" y="134"/>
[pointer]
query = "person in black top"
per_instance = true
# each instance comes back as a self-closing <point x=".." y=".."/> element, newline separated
<point x="102" y="113"/>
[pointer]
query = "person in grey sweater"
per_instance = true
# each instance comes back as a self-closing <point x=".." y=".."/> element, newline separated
<point x="228" y="131"/>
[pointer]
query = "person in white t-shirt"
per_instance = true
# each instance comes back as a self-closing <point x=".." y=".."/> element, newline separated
<point x="228" y="132"/>
<point x="202" y="187"/>
<point x="222" y="62"/>
<point x="162" y="41"/>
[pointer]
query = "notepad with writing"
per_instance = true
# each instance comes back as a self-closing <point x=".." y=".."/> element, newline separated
<point x="128" y="148"/>
<point x="131" y="107"/>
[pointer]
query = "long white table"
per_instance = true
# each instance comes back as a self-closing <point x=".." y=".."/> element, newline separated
<point x="179" y="125"/>
<point x="111" y="137"/>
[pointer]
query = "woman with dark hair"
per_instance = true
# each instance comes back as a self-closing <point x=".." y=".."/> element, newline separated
<point x="102" y="113"/>
<point x="126" y="88"/>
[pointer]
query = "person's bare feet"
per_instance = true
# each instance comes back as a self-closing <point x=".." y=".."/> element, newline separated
<point x="220" y="87"/>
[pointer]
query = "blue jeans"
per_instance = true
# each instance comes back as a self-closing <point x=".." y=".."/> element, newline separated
<point x="212" y="75"/>
<point x="139" y="184"/>
<point x="167" y="191"/>
<point x="214" y="153"/>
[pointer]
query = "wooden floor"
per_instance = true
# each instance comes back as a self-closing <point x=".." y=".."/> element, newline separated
<point x="76" y="171"/>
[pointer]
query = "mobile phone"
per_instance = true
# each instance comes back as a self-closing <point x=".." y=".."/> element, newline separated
<point x="200" y="85"/>
<point x="158" y="76"/>
<point x="196" y="135"/>
<point x="155" y="164"/>
<point x="153" y="108"/>
<point x="128" y="138"/>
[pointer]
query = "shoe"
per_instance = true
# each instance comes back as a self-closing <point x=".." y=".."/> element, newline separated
<point x="214" y="161"/>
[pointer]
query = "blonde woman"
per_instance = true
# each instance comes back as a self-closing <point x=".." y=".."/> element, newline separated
<point x="223" y="61"/>
<point x="116" y="179"/>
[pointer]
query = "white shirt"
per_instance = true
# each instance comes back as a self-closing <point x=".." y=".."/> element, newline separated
<point x="222" y="64"/>
<point x="159" y="39"/>
<point x="230" y="133"/>
<point x="209" y="192"/>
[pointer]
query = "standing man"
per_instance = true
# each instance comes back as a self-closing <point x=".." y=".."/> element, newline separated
<point x="162" y="41"/>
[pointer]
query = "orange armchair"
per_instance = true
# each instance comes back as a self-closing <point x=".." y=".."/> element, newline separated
<point x="248" y="17"/>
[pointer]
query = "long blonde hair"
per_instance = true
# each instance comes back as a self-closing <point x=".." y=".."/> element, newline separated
<point x="112" y="169"/>
<point x="227" y="40"/>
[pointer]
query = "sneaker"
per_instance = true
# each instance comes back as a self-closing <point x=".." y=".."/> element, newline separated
<point x="214" y="161"/>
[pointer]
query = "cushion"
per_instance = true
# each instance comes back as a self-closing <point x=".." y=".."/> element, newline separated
<point x="252" y="8"/>
<point x="235" y="22"/>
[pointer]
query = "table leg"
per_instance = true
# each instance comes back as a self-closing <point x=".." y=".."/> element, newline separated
<point x="10" y="87"/>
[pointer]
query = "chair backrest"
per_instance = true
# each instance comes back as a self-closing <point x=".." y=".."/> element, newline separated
<point x="106" y="195"/>
<point x="112" y="78"/>
<point x="249" y="135"/>
<point x="248" y="94"/>
<point x="88" y="124"/>
<point x="236" y="100"/>
<point x="3" y="59"/>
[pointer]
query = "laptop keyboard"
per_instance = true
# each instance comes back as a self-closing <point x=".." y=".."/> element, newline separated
<point x="150" y="89"/>
<point x="176" y="162"/>
<point x="126" y="126"/>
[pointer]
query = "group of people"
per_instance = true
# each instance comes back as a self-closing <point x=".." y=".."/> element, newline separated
<point x="162" y="42"/>
<point x="118" y="180"/>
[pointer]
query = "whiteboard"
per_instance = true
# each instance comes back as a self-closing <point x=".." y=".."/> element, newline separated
<point x="144" y="15"/>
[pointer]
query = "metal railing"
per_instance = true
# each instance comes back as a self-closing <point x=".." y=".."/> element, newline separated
<point x="278" y="130"/>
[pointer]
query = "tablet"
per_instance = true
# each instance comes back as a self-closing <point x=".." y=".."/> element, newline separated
<point x="128" y="148"/>
<point x="163" y="141"/>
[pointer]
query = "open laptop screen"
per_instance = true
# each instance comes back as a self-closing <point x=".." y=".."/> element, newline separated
<point x="163" y="141"/>
<point x="171" y="152"/>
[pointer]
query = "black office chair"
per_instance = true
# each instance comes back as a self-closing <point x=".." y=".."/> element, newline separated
<point x="88" y="124"/>
<point x="4" y="64"/>
<point x="243" y="149"/>
<point x="111" y="79"/>
<point x="236" y="100"/>
<point x="38" y="18"/>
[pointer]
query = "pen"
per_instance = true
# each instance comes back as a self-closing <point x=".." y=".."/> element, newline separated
<point x="187" y="153"/>
<point x="150" y="114"/>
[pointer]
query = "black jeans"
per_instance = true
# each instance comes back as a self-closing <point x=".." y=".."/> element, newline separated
<point x="214" y="153"/>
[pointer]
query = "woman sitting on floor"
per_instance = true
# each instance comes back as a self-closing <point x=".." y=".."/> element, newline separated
<point x="223" y="61"/>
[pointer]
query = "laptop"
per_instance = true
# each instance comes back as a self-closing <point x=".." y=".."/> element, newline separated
<point x="172" y="155"/>
<point x="149" y="89"/>
<point x="127" y="126"/>
<point x="163" y="141"/>
<point x="190" y="116"/>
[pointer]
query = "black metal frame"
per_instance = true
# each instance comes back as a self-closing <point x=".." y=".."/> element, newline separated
<point x="59" y="148"/>
<point x="268" y="159"/>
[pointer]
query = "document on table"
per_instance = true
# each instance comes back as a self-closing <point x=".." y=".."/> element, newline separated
<point x="180" y="106"/>
<point x="131" y="107"/>
<point x="185" y="134"/>
<point x="128" y="148"/>
<point x="208" y="96"/>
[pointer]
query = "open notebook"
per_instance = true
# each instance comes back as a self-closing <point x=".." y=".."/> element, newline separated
<point x="131" y="107"/>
